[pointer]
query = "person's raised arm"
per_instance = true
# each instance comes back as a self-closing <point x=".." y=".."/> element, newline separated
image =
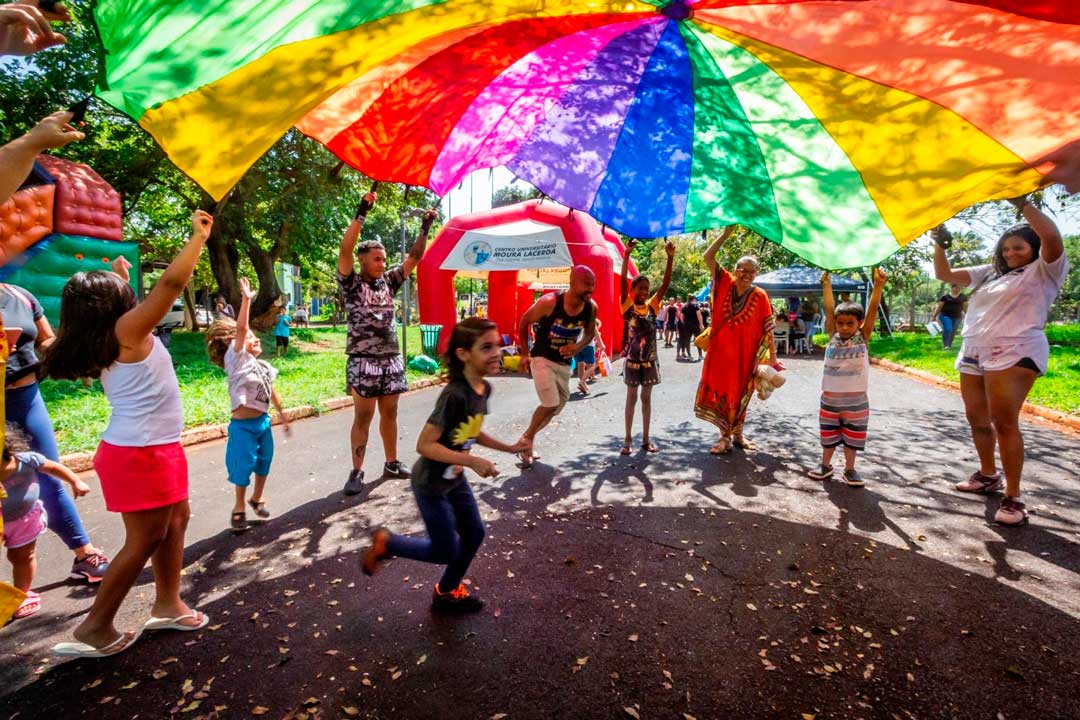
<point x="624" y="287"/>
<point x="710" y="253"/>
<point x="243" y="318"/>
<point x="943" y="270"/>
<point x="25" y="28"/>
<point x="1066" y="162"/>
<point x="346" y="253"/>
<point x="17" y="157"/>
<point x="875" y="301"/>
<point x="416" y="253"/>
<point x="1052" y="244"/>
<point x="665" y="283"/>
<point x="830" y="303"/>
<point x="134" y="325"/>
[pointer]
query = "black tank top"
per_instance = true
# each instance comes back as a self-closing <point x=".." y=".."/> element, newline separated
<point x="558" y="330"/>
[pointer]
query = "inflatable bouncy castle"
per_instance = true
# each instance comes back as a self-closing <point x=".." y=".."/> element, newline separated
<point x="64" y="219"/>
<point x="521" y="249"/>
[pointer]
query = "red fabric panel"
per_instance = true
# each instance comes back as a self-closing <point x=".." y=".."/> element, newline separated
<point x="1061" y="11"/>
<point x="85" y="204"/>
<point x="25" y="218"/>
<point x="392" y="140"/>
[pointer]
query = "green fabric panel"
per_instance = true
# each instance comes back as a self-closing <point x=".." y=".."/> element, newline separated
<point x="826" y="212"/>
<point x="157" y="51"/>
<point x="46" y="273"/>
<point x="729" y="182"/>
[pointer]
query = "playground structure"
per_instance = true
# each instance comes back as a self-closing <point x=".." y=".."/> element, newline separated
<point x="521" y="249"/>
<point x="64" y="219"/>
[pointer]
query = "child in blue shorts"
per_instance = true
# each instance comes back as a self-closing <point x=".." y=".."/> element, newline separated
<point x="232" y="346"/>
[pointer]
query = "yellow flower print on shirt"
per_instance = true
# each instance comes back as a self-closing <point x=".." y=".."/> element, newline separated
<point x="466" y="433"/>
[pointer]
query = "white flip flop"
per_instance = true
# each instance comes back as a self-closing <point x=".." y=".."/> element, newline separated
<point x="82" y="650"/>
<point x="176" y="623"/>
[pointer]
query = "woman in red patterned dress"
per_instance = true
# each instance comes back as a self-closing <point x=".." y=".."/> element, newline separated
<point x="741" y="338"/>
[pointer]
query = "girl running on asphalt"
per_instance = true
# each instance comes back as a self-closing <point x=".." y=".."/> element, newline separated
<point x="232" y="346"/>
<point x="443" y="496"/>
<point x="105" y="332"/>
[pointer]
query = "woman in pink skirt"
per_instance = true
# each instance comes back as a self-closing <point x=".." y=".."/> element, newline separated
<point x="105" y="333"/>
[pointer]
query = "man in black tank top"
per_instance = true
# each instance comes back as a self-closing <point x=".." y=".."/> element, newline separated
<point x="566" y="323"/>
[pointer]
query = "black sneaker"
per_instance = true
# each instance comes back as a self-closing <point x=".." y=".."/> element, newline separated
<point x="853" y="479"/>
<point x="355" y="484"/>
<point x="458" y="601"/>
<point x="396" y="469"/>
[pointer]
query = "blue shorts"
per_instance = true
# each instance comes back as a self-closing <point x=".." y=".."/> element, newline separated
<point x="586" y="356"/>
<point x="250" y="449"/>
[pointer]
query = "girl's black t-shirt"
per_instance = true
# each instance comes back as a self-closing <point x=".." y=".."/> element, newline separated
<point x="459" y="413"/>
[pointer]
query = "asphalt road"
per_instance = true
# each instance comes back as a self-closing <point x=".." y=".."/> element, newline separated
<point x="650" y="586"/>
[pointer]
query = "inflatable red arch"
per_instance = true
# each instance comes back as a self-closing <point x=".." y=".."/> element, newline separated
<point x="529" y="235"/>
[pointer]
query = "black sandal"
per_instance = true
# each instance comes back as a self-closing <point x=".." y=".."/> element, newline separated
<point x="239" y="522"/>
<point x="259" y="508"/>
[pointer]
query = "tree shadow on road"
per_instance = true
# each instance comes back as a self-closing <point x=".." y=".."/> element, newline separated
<point x="750" y="615"/>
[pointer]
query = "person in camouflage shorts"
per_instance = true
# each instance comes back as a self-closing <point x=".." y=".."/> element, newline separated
<point x="375" y="371"/>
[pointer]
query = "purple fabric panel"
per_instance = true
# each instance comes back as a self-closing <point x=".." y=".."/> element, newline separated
<point x="567" y="155"/>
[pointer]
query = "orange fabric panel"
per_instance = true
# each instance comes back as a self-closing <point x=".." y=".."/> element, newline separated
<point x="1013" y="77"/>
<point x="25" y="218"/>
<point x="86" y="205"/>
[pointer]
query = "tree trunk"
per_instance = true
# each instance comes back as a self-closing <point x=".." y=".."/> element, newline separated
<point x="189" y="303"/>
<point x="269" y="291"/>
<point x="911" y="309"/>
<point x="221" y="247"/>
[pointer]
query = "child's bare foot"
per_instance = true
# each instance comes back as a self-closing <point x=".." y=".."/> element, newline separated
<point x="626" y="449"/>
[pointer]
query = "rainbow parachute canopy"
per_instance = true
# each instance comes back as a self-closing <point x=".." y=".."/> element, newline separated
<point x="840" y="130"/>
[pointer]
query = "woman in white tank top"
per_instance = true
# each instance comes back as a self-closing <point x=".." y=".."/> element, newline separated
<point x="105" y="333"/>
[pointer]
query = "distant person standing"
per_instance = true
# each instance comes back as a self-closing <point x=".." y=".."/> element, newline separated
<point x="950" y="311"/>
<point x="282" y="333"/>
<point x="375" y="371"/>
<point x="692" y="325"/>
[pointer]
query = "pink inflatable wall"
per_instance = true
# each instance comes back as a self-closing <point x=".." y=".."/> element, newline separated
<point x="588" y="245"/>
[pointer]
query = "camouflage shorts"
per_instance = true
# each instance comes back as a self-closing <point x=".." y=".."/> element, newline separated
<point x="372" y="377"/>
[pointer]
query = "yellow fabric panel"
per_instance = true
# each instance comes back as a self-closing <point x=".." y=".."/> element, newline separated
<point x="920" y="162"/>
<point x="217" y="132"/>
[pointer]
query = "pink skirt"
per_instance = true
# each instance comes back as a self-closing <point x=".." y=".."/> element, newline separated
<point x="141" y="478"/>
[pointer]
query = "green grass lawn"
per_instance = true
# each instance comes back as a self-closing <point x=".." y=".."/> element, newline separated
<point x="1058" y="389"/>
<point x="313" y="371"/>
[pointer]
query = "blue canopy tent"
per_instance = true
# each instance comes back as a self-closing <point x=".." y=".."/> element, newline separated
<point x="796" y="281"/>
<point x="799" y="280"/>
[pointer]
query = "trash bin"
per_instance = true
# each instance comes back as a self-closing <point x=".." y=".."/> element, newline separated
<point x="429" y="338"/>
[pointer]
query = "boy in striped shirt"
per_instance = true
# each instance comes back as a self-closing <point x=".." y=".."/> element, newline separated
<point x="845" y="409"/>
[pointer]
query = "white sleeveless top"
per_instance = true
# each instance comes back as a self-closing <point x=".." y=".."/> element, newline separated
<point x="145" y="401"/>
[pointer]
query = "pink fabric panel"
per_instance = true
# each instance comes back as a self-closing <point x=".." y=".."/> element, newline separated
<point x="85" y="204"/>
<point x="25" y="218"/>
<point x="501" y="119"/>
